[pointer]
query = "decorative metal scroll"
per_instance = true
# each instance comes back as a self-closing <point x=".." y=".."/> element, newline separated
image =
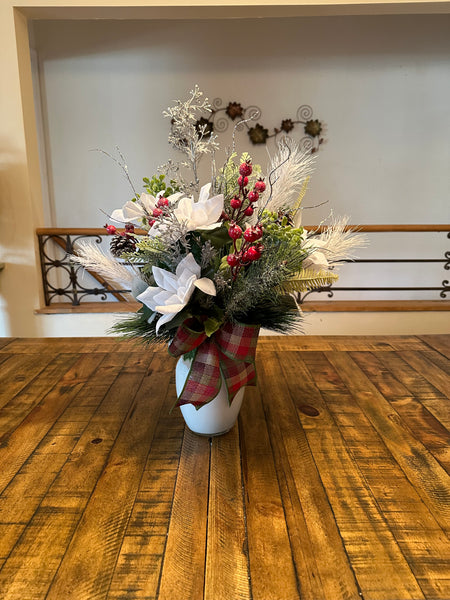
<point x="220" y="116"/>
<point x="72" y="289"/>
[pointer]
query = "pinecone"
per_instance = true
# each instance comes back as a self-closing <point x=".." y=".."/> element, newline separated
<point x="122" y="243"/>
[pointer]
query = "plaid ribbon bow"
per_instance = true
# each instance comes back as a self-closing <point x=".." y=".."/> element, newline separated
<point x="230" y="352"/>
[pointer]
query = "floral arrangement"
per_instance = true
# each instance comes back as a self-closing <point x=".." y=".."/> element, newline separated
<point x="212" y="263"/>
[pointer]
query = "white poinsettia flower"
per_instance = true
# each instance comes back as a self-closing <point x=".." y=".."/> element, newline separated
<point x="174" y="290"/>
<point x="134" y="212"/>
<point x="201" y="214"/>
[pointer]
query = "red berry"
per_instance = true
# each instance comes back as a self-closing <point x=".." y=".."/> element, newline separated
<point x="235" y="202"/>
<point x="110" y="229"/>
<point x="129" y="227"/>
<point x="151" y="222"/>
<point x="248" y="211"/>
<point x="245" y="169"/>
<point x="253" y="196"/>
<point x="259" y="231"/>
<point x="242" y="181"/>
<point x="162" y="202"/>
<point x="157" y="212"/>
<point x="250" y="234"/>
<point x="260" y="186"/>
<point x="232" y="260"/>
<point x="253" y="253"/>
<point x="224" y="216"/>
<point x="235" y="232"/>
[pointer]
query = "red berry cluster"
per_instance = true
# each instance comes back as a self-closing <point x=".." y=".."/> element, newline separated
<point x="112" y="230"/>
<point x="242" y="205"/>
<point x="161" y="207"/>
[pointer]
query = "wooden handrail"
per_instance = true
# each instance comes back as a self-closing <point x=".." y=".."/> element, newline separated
<point x="363" y="228"/>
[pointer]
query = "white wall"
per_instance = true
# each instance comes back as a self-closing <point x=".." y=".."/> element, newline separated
<point x="382" y="84"/>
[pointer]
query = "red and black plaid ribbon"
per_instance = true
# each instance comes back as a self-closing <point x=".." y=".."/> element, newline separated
<point x="230" y="352"/>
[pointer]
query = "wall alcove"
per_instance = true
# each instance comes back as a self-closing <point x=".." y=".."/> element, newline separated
<point x="376" y="77"/>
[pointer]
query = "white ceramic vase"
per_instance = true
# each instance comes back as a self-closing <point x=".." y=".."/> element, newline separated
<point x="214" y="418"/>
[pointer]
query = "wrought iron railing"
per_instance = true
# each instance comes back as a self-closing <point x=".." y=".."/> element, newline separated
<point x="443" y="288"/>
<point x="64" y="280"/>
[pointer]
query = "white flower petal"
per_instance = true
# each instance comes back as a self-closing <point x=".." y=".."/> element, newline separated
<point x="148" y="202"/>
<point x="204" y="192"/>
<point x="206" y="286"/>
<point x="132" y="211"/>
<point x="165" y="279"/>
<point x="188" y="263"/>
<point x="162" y="320"/>
<point x="199" y="215"/>
<point x="147" y="297"/>
<point x="170" y="309"/>
<point x="209" y="227"/>
<point x="117" y="216"/>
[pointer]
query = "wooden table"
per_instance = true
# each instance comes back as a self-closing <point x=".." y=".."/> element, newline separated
<point x="334" y="484"/>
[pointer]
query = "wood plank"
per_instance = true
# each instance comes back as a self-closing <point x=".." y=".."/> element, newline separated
<point x="62" y="345"/>
<point x="89" y="561"/>
<point x="137" y="572"/>
<point x="414" y="381"/>
<point x="19" y="406"/>
<point x="429" y="370"/>
<point x="354" y="517"/>
<point x="378" y="562"/>
<point x="422" y="541"/>
<point x="17" y="446"/>
<point x="441" y="343"/>
<point x="42" y="541"/>
<point x="416" y="417"/>
<point x="4" y="342"/>
<point x="138" y="567"/>
<point x="227" y="569"/>
<point x="421" y="467"/>
<point x="360" y="343"/>
<point x="17" y="373"/>
<point x="440" y="361"/>
<point x="48" y="476"/>
<point x="272" y="569"/>
<point x="184" y="559"/>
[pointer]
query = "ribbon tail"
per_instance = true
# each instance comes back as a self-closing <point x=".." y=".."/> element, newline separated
<point x="204" y="379"/>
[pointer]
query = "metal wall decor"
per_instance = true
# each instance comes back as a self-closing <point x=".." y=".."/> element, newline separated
<point x="220" y="116"/>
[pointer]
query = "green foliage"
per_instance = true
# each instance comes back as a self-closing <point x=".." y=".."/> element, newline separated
<point x="137" y="326"/>
<point x="158" y="184"/>
<point x="226" y="182"/>
<point x="279" y="314"/>
<point x="257" y="290"/>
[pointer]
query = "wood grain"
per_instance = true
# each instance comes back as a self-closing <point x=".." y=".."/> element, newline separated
<point x="333" y="485"/>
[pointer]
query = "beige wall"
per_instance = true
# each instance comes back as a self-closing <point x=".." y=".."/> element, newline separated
<point x="20" y="191"/>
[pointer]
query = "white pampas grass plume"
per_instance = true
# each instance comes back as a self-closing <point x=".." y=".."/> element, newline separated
<point x="289" y="170"/>
<point x="338" y="242"/>
<point x="92" y="258"/>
